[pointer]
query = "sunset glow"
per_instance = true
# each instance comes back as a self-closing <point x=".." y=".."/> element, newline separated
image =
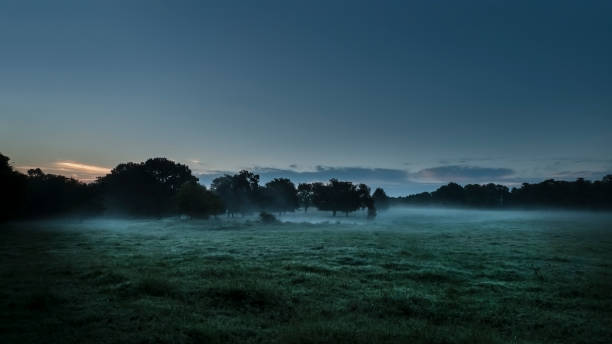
<point x="79" y="167"/>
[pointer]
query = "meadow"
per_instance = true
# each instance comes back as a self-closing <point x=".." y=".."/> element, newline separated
<point x="410" y="275"/>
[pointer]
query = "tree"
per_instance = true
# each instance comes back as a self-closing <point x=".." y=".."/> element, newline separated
<point x="449" y="194"/>
<point x="240" y="193"/>
<point x="147" y="188"/>
<point x="52" y="195"/>
<point x="305" y="194"/>
<point x="131" y="189"/>
<point x="365" y="200"/>
<point x="489" y="195"/>
<point x="168" y="173"/>
<point x="580" y="193"/>
<point x="604" y="191"/>
<point x="422" y="198"/>
<point x="280" y="195"/>
<point x="194" y="200"/>
<point x="336" y="196"/>
<point x="12" y="190"/>
<point x="381" y="200"/>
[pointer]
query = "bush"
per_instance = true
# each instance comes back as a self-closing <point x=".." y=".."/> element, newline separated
<point x="268" y="218"/>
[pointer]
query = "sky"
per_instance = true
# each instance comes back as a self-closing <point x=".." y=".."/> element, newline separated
<point x="406" y="95"/>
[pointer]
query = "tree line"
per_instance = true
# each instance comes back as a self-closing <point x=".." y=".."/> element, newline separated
<point x="581" y="193"/>
<point x="161" y="187"/>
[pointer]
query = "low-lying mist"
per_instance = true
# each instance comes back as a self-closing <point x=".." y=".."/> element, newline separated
<point x="403" y="219"/>
<point x="440" y="275"/>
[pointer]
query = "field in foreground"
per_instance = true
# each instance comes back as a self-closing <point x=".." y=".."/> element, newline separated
<point x="416" y="276"/>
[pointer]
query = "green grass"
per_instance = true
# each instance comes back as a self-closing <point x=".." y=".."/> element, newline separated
<point x="507" y="281"/>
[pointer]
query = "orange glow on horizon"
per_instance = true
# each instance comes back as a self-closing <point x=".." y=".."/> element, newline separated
<point x="79" y="167"/>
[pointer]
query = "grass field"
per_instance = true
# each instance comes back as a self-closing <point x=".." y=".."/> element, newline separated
<point x="410" y="276"/>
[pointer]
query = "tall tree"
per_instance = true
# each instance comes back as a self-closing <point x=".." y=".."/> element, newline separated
<point x="381" y="200"/>
<point x="52" y="195"/>
<point x="280" y="195"/>
<point x="366" y="201"/>
<point x="147" y="188"/>
<point x="305" y="194"/>
<point x="168" y="173"/>
<point x="194" y="200"/>
<point x="240" y="193"/>
<point x="336" y="196"/>
<point x="12" y="190"/>
<point x="449" y="194"/>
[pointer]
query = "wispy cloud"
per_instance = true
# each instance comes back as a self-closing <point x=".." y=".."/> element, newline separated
<point x="77" y="170"/>
<point x="461" y="174"/>
<point x="324" y="173"/>
<point x="82" y="168"/>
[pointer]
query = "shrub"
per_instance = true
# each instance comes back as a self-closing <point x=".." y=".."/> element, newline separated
<point x="267" y="218"/>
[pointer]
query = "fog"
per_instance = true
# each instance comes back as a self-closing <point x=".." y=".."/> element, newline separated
<point x="442" y="219"/>
<point x="403" y="219"/>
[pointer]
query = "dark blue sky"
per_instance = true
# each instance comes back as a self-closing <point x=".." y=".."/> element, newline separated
<point x="401" y="94"/>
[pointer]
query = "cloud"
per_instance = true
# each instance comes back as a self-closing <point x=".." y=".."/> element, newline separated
<point x="73" y="169"/>
<point x="324" y="173"/>
<point x="461" y="174"/>
<point x="82" y="168"/>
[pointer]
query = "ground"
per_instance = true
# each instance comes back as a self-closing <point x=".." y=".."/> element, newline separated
<point x="416" y="277"/>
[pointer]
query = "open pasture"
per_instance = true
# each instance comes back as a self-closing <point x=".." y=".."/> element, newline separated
<point x="411" y="275"/>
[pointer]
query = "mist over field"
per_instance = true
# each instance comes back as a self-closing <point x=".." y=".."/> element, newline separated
<point x="424" y="275"/>
<point x="400" y="218"/>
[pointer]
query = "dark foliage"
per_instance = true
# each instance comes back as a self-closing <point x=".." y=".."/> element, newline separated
<point x="37" y="194"/>
<point x="341" y="196"/>
<point x="381" y="200"/>
<point x="160" y="187"/>
<point x="194" y="200"/>
<point x="581" y="194"/>
<point x="146" y="188"/>
<point x="267" y="218"/>
<point x="12" y="190"/>
<point x="50" y="195"/>
<point x="305" y="195"/>
<point x="240" y="193"/>
<point x="140" y="189"/>
<point x="280" y="196"/>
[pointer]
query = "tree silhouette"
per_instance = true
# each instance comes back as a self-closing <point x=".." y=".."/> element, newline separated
<point x="580" y="194"/>
<point x="489" y="195"/>
<point x="160" y="186"/>
<point x="12" y="191"/>
<point x="144" y="188"/>
<point x="381" y="200"/>
<point x="280" y="195"/>
<point x="366" y="201"/>
<point x="194" y="200"/>
<point x="449" y="194"/>
<point x="168" y="173"/>
<point x="305" y="195"/>
<point x="51" y="195"/>
<point x="336" y="196"/>
<point x="240" y="193"/>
